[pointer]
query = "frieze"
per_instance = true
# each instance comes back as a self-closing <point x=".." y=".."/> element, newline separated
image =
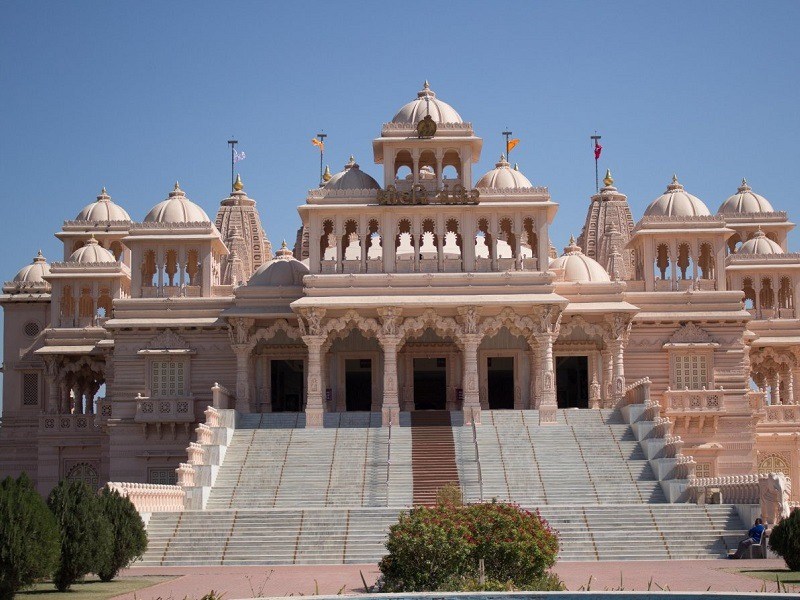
<point x="691" y="334"/>
<point x="419" y="195"/>
<point x="168" y="340"/>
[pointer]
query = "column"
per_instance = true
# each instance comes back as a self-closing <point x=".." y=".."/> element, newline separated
<point x="77" y="398"/>
<point x="536" y="373"/>
<point x="242" y="352"/>
<point x="415" y="168"/>
<point x="53" y="385"/>
<point x="618" y="355"/>
<point x="788" y="382"/>
<point x="62" y="406"/>
<point x="438" y="170"/>
<point x="795" y="379"/>
<point x="364" y="240"/>
<point x="472" y="399"/>
<point x="314" y="406"/>
<point x="441" y="231"/>
<point x="339" y="256"/>
<point x="548" y="403"/>
<point x="608" y="377"/>
<point x="775" y="384"/>
<point x="391" y="400"/>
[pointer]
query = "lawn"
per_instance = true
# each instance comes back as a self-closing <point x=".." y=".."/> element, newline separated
<point x="785" y="576"/>
<point x="92" y="588"/>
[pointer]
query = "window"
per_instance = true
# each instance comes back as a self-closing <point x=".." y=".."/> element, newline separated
<point x="168" y="378"/>
<point x="773" y="464"/>
<point x="84" y="472"/>
<point x="162" y="476"/>
<point x="30" y="389"/>
<point x="691" y="371"/>
<point x="31" y="329"/>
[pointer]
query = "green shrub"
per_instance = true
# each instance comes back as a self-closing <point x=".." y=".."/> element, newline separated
<point x="432" y="547"/>
<point x="28" y="536"/>
<point x="785" y="540"/>
<point x="129" y="535"/>
<point x="449" y="494"/>
<point x="549" y="582"/>
<point x="86" y="538"/>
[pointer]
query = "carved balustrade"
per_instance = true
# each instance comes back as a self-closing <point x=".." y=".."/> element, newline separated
<point x="685" y="467"/>
<point x="638" y="392"/>
<point x="150" y="497"/>
<point x="164" y="410"/>
<point x="186" y="475"/>
<point x="67" y="424"/>
<point x="782" y="413"/>
<point x="213" y="416"/>
<point x="698" y="409"/>
<point x="736" y="489"/>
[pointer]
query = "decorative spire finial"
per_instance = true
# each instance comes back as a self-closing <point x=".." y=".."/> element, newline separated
<point x="516" y="166"/>
<point x="103" y="192"/>
<point x="571" y="239"/>
<point x="744" y="187"/>
<point x="674" y="178"/>
<point x="177" y="187"/>
<point x="426" y="85"/>
<point x="326" y="176"/>
<point x="238" y="185"/>
<point x="608" y="179"/>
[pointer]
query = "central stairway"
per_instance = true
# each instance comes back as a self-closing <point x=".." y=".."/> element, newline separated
<point x="290" y="495"/>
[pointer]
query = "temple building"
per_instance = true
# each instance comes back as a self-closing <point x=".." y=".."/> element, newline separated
<point x="427" y="287"/>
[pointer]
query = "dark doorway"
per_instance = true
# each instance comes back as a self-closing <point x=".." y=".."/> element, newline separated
<point x="358" y="384"/>
<point x="430" y="383"/>
<point x="500" y="371"/>
<point x="287" y="385"/>
<point x="572" y="381"/>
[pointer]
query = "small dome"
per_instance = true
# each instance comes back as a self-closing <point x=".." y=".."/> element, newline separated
<point x="352" y="178"/>
<point x="576" y="267"/>
<point x="34" y="272"/>
<point x="677" y="202"/>
<point x="283" y="271"/>
<point x="176" y="209"/>
<point x="503" y="177"/>
<point x="92" y="252"/>
<point x="745" y="201"/>
<point x="760" y="244"/>
<point x="104" y="209"/>
<point x="427" y="103"/>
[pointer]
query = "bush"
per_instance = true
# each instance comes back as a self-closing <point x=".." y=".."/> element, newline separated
<point x="549" y="582"/>
<point x="431" y="548"/>
<point x="785" y="540"/>
<point x="129" y="536"/>
<point x="28" y="536"/>
<point x="86" y="538"/>
<point x="449" y="494"/>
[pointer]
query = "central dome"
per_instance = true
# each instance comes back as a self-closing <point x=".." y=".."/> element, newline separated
<point x="677" y="202"/>
<point x="427" y="104"/>
<point x="503" y="177"/>
<point x="104" y="209"/>
<point x="351" y="178"/>
<point x="176" y="209"/>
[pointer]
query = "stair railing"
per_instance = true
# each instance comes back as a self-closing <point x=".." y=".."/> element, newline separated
<point x="477" y="460"/>
<point x="389" y="454"/>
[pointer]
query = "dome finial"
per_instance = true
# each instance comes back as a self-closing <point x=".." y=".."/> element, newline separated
<point x="426" y="85"/>
<point x="326" y="176"/>
<point x="608" y="180"/>
<point x="177" y="187"/>
<point x="39" y="257"/>
<point x="516" y="166"/>
<point x="674" y="178"/>
<point x="103" y="191"/>
<point x="744" y="187"/>
<point x="238" y="185"/>
<point x="571" y="239"/>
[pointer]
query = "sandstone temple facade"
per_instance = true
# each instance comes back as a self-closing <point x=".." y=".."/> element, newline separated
<point x="428" y="288"/>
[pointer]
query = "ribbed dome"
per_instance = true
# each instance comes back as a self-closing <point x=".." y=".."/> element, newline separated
<point x="352" y="178"/>
<point x="104" y="209"/>
<point x="34" y="272"/>
<point x="677" y="202"/>
<point x="285" y="271"/>
<point x="503" y="177"/>
<point x="760" y="244"/>
<point x="427" y="103"/>
<point x="745" y="201"/>
<point x="176" y="209"/>
<point x="92" y="252"/>
<point x="576" y="267"/>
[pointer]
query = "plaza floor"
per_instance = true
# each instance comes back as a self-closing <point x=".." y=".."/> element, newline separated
<point x="250" y="582"/>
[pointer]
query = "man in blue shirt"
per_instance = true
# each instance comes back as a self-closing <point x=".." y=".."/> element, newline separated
<point x="754" y="537"/>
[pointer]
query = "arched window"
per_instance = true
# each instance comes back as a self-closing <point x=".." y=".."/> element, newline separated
<point x="104" y="303"/>
<point x="773" y="463"/>
<point x="452" y="240"/>
<point x="404" y="240"/>
<point x="327" y="242"/>
<point x="86" y="304"/>
<point x="786" y="294"/>
<point x="350" y="241"/>
<point x="530" y="242"/>
<point x="67" y="304"/>
<point x="685" y="262"/>
<point x="427" y="166"/>
<point x="374" y="248"/>
<point x="193" y="267"/>
<point x="451" y="167"/>
<point x="77" y="245"/>
<point x="749" y="294"/>
<point x="706" y="262"/>
<point x="508" y="247"/>
<point x="149" y="269"/>
<point x="767" y="295"/>
<point x="85" y="473"/>
<point x="483" y="240"/>
<point x="662" y="260"/>
<point x="116" y="249"/>
<point x="403" y="165"/>
<point x="171" y="267"/>
<point x="428" y="243"/>
<point x="733" y="243"/>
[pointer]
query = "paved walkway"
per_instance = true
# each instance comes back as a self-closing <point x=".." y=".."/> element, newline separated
<point x="250" y="582"/>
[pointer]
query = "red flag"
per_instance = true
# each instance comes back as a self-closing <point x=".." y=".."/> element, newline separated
<point x="597" y="150"/>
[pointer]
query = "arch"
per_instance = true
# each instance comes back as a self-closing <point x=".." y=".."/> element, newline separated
<point x="77" y="245"/>
<point x="404" y="239"/>
<point x="733" y="243"/>
<point x="427" y="166"/>
<point x="662" y="260"/>
<point x="749" y="294"/>
<point x="428" y="240"/>
<point x="116" y="249"/>
<point x="529" y="243"/>
<point x="149" y="268"/>
<point x="404" y="162"/>
<point x="67" y="303"/>
<point x="443" y="326"/>
<point x="706" y="262"/>
<point x="86" y="303"/>
<point x="171" y="266"/>
<point x="516" y="324"/>
<point x="193" y="266"/>
<point x="773" y="463"/>
<point x="767" y="294"/>
<point x="351" y="243"/>
<point x="786" y="294"/>
<point x="264" y="334"/>
<point x="85" y="473"/>
<point x="771" y="235"/>
<point x="452" y="247"/>
<point x="340" y="327"/>
<point x="483" y="239"/>
<point x="451" y="161"/>
<point x="374" y="239"/>
<point x="104" y="302"/>
<point x="685" y="261"/>
<point x="508" y="249"/>
<point x="327" y="241"/>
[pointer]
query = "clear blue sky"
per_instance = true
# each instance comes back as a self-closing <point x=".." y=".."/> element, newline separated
<point x="136" y="95"/>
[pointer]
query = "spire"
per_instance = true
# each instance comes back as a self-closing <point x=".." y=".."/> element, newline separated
<point x="516" y="166"/>
<point x="238" y="185"/>
<point x="608" y="180"/>
<point x="284" y="252"/>
<point x="675" y="184"/>
<point x="103" y="197"/>
<point x="176" y="191"/>
<point x="326" y="176"/>
<point x="39" y="257"/>
<point x="744" y="187"/>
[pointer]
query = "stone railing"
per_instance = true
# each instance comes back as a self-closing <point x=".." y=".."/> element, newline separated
<point x="680" y="401"/>
<point x="80" y="424"/>
<point x="638" y="392"/>
<point x="782" y="413"/>
<point x="685" y="467"/>
<point x="672" y="446"/>
<point x="151" y="497"/>
<point x="164" y="410"/>
<point x="221" y="398"/>
<point x="736" y="489"/>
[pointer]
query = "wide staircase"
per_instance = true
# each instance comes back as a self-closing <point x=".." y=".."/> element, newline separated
<point x="289" y="495"/>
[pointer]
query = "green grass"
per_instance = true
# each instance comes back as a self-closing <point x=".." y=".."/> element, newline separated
<point x="92" y="588"/>
<point x="785" y="576"/>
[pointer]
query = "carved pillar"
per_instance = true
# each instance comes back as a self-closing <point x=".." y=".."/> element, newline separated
<point x="619" y="325"/>
<point x="62" y="406"/>
<point x="608" y="376"/>
<point x="53" y="385"/>
<point x="242" y="352"/>
<point x="314" y="406"/>
<point x="472" y="399"/>
<point x="775" y="384"/>
<point x="391" y="401"/>
<point x="77" y="399"/>
<point x="594" y="393"/>
<point x="548" y="403"/>
<point x="795" y="379"/>
<point x="536" y="374"/>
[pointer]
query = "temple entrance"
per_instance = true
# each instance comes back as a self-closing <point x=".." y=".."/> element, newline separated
<point x="430" y="383"/>
<point x="500" y="371"/>
<point x="286" y="381"/>
<point x="572" y="381"/>
<point x="358" y="384"/>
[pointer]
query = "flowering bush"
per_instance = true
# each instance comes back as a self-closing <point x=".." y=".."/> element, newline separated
<point x="429" y="548"/>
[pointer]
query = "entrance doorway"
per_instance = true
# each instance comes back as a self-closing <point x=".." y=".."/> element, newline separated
<point x="572" y="381"/>
<point x="430" y="383"/>
<point x="358" y="384"/>
<point x="287" y="385"/>
<point x="500" y="370"/>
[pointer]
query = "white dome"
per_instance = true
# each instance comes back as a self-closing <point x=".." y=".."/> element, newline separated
<point x="352" y="178"/>
<point x="677" y="202"/>
<point x="427" y="103"/>
<point x="92" y="252"/>
<point x="34" y="272"/>
<point x="176" y="209"/>
<point x="576" y="267"/>
<point x="745" y="201"/>
<point x="283" y="271"/>
<point x="760" y="244"/>
<point x="503" y="177"/>
<point x="103" y="210"/>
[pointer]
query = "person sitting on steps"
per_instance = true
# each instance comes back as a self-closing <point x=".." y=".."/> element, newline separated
<point x="754" y="537"/>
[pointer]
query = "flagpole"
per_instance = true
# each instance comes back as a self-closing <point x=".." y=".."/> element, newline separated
<point x="508" y="135"/>
<point x="321" y="137"/>
<point x="595" y="138"/>
<point x="232" y="143"/>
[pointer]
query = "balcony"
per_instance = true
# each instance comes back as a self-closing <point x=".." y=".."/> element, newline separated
<point x="67" y="424"/>
<point x="694" y="411"/>
<point x="164" y="410"/>
<point x="785" y="414"/>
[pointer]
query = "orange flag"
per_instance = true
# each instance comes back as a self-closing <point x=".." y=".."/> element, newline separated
<point x="319" y="144"/>
<point x="511" y="145"/>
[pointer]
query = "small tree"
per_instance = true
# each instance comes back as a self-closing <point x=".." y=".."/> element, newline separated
<point x="86" y="537"/>
<point x="28" y="536"/>
<point x="129" y="536"/>
<point x="785" y="540"/>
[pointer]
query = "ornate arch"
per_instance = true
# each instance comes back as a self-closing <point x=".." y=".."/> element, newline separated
<point x="444" y="326"/>
<point x="590" y="329"/>
<point x="773" y="463"/>
<point x="264" y="334"/>
<point x="517" y="324"/>
<point x="340" y="327"/>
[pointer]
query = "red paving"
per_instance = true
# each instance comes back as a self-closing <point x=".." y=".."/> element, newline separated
<point x="249" y="582"/>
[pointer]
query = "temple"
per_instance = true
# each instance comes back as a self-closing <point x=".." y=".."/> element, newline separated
<point x="427" y="288"/>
